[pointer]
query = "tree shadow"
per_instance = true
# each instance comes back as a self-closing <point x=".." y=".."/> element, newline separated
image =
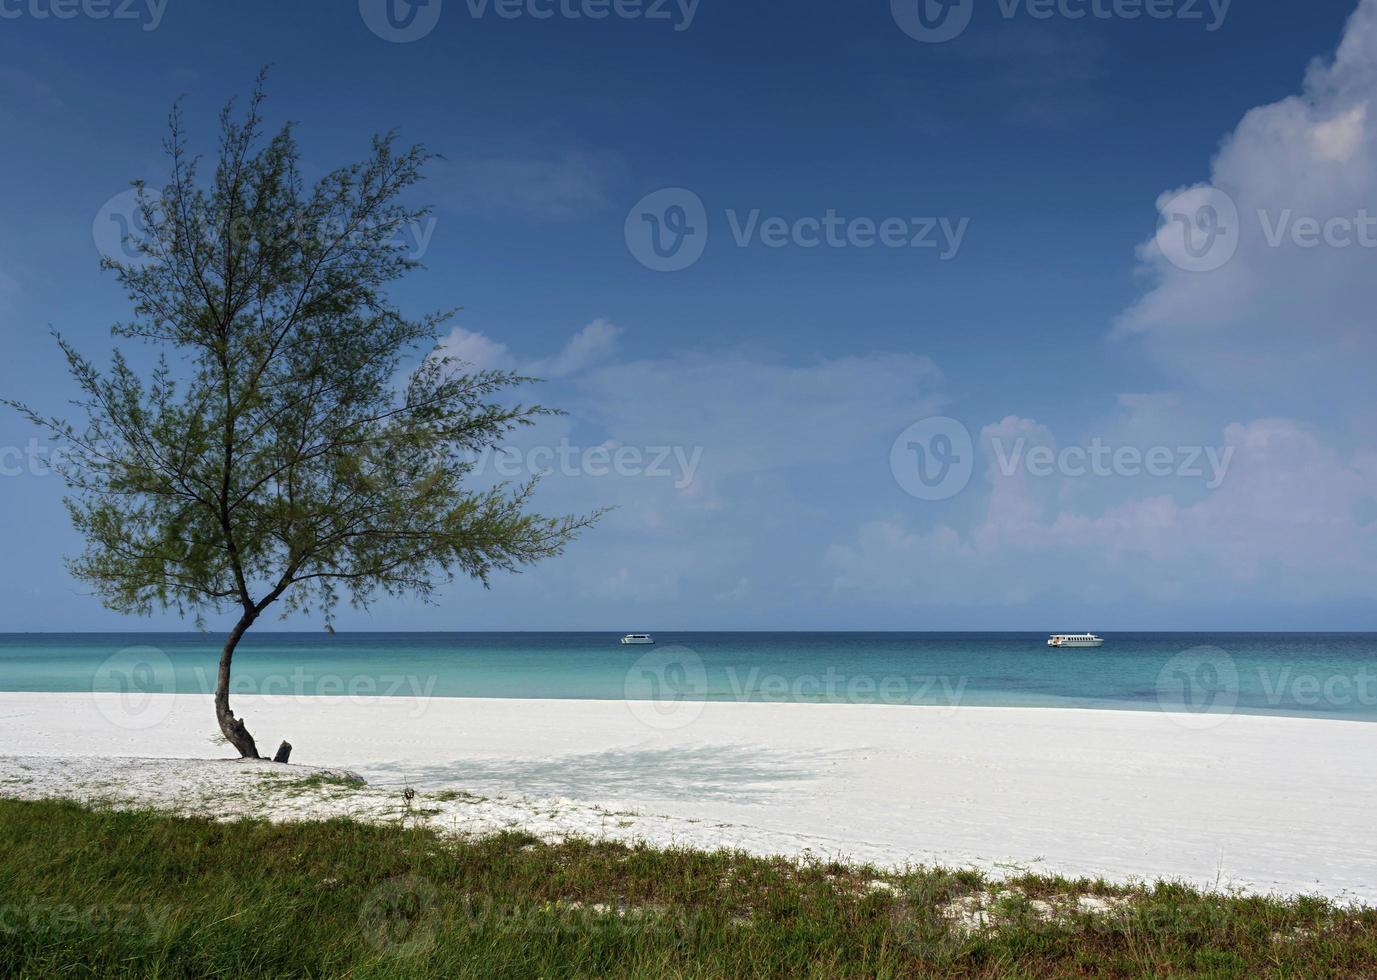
<point x="718" y="773"/>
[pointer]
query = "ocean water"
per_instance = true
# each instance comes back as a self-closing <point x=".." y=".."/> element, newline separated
<point x="1329" y="675"/>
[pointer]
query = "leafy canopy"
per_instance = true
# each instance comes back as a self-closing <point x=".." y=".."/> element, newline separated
<point x="274" y="453"/>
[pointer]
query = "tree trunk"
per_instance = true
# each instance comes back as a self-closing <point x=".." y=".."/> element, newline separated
<point x="231" y="726"/>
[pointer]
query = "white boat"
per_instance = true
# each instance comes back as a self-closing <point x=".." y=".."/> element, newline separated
<point x="637" y="639"/>
<point x="1074" y="640"/>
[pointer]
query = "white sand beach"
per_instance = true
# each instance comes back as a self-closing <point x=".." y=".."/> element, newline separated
<point x="1271" y="805"/>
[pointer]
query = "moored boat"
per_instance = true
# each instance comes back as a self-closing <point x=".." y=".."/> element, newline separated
<point x="1074" y="640"/>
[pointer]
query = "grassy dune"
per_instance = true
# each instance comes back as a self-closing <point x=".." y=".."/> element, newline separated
<point x="107" y="893"/>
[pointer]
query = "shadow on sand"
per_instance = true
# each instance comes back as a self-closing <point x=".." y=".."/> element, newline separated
<point x="719" y="773"/>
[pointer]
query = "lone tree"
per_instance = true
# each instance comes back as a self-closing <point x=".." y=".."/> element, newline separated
<point x="276" y="453"/>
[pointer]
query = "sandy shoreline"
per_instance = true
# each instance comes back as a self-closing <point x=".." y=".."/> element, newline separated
<point x="1277" y="805"/>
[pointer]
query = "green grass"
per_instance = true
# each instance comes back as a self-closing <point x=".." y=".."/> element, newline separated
<point x="105" y="893"/>
<point x="319" y="780"/>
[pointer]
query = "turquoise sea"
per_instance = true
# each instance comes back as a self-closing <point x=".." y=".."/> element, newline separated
<point x="1330" y="675"/>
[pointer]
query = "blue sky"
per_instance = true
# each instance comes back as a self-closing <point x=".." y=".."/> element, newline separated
<point x="772" y="403"/>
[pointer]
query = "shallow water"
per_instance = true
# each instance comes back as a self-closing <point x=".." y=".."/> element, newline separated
<point x="1329" y="675"/>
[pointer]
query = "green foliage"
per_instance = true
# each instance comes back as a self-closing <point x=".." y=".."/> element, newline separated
<point x="140" y="894"/>
<point x="276" y="452"/>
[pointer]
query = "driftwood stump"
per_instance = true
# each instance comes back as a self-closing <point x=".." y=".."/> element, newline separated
<point x="283" y="750"/>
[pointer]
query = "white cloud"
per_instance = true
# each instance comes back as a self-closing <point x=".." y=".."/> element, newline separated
<point x="1286" y="526"/>
<point x="595" y="342"/>
<point x="1282" y="316"/>
<point x="1337" y="140"/>
<point x="474" y="349"/>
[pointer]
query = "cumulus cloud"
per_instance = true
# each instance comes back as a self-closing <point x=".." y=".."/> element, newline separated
<point x="1291" y="522"/>
<point x="594" y="343"/>
<point x="1278" y="320"/>
<point x="1291" y="310"/>
<point x="479" y="352"/>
